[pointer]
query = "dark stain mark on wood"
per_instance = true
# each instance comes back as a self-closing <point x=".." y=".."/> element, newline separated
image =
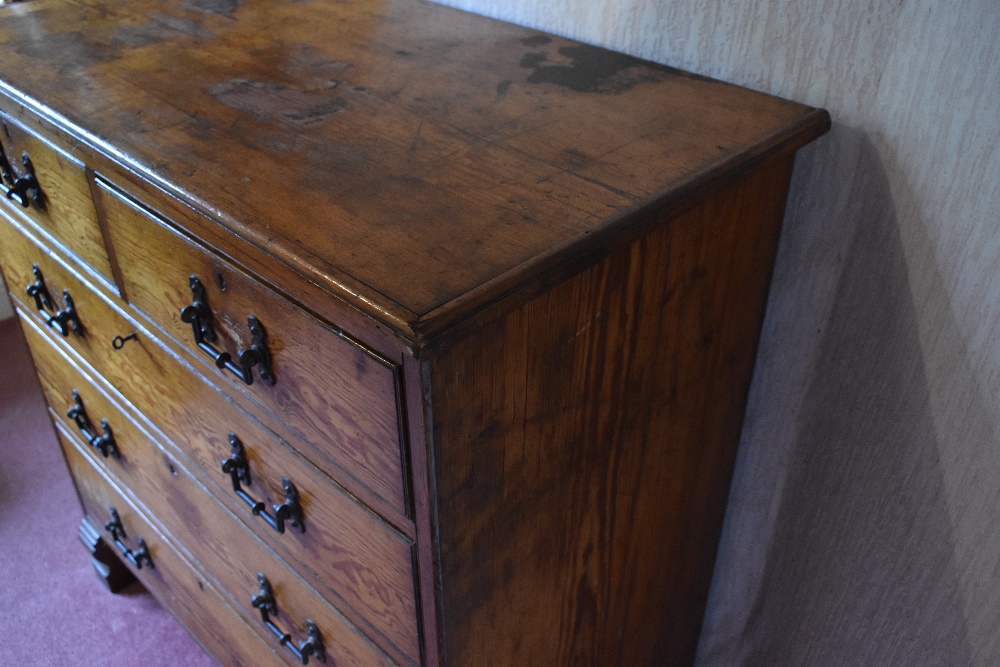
<point x="220" y="7"/>
<point x="576" y="155"/>
<point x="278" y="102"/>
<point x="200" y="127"/>
<point x="318" y="112"/>
<point x="536" y="41"/>
<point x="361" y="365"/>
<point x="502" y="87"/>
<point x="592" y="69"/>
<point x="533" y="60"/>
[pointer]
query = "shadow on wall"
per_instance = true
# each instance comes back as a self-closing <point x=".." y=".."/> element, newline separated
<point x="838" y="546"/>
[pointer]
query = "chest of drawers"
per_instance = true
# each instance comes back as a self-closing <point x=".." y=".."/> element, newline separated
<point x="375" y="332"/>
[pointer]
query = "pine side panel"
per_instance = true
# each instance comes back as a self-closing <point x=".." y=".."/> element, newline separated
<point x="582" y="445"/>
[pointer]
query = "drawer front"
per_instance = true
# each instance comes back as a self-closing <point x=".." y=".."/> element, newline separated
<point x="347" y="552"/>
<point x="63" y="205"/>
<point x="333" y="394"/>
<point x="47" y="289"/>
<point x="195" y="600"/>
<point x="230" y="553"/>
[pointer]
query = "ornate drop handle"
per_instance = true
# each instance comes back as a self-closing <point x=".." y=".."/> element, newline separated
<point x="137" y="557"/>
<point x="238" y="469"/>
<point x="265" y="602"/>
<point x="16" y="187"/>
<point x="62" y="321"/>
<point x="104" y="443"/>
<point x="199" y="316"/>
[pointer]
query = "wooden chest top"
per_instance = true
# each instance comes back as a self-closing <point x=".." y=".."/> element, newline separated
<point x="415" y="160"/>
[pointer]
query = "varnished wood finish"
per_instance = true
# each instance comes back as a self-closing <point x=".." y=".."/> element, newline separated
<point x="144" y="372"/>
<point x="345" y="408"/>
<point x="20" y="250"/>
<point x="512" y="287"/>
<point x="194" y="599"/>
<point x="372" y="573"/>
<point x="358" y="117"/>
<point x="223" y="547"/>
<point x="67" y="212"/>
<point x="584" y="443"/>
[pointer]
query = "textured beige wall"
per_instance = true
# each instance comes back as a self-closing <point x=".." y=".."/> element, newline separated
<point x="861" y="527"/>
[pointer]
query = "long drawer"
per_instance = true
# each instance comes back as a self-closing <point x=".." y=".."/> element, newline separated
<point x="334" y="394"/>
<point x="196" y="600"/>
<point x="224" y="547"/>
<point x="351" y="555"/>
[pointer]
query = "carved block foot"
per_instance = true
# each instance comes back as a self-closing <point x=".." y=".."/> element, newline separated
<point x="109" y="567"/>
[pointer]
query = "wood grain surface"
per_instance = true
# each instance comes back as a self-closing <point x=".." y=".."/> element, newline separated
<point x="333" y="393"/>
<point x="906" y="434"/>
<point x="347" y="552"/>
<point x="67" y="210"/>
<point x="573" y="245"/>
<point x="172" y="579"/>
<point x="583" y="442"/>
<point x="225" y="550"/>
<point x="402" y="153"/>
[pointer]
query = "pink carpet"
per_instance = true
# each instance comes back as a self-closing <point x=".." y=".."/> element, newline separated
<point x="53" y="609"/>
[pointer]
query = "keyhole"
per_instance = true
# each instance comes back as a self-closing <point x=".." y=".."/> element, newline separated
<point x="221" y="279"/>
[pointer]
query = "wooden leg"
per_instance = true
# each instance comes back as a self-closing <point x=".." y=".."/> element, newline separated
<point x="109" y="567"/>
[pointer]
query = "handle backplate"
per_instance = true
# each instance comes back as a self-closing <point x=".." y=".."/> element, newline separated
<point x="138" y="557"/>
<point x="264" y="602"/>
<point x="63" y="320"/>
<point x="103" y="442"/>
<point x="16" y="187"/>
<point x="199" y="316"/>
<point x="238" y="469"/>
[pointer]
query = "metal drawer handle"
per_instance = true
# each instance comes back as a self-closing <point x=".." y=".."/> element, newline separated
<point x="138" y="557"/>
<point x="16" y="187"/>
<point x="62" y="321"/>
<point x="104" y="443"/>
<point x="265" y="602"/>
<point x="199" y="316"/>
<point x="238" y="469"/>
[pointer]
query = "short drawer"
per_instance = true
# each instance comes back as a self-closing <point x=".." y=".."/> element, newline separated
<point x="170" y="577"/>
<point x="46" y="288"/>
<point x="350" y="554"/>
<point x="334" y="394"/>
<point x="225" y="548"/>
<point x="61" y="202"/>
